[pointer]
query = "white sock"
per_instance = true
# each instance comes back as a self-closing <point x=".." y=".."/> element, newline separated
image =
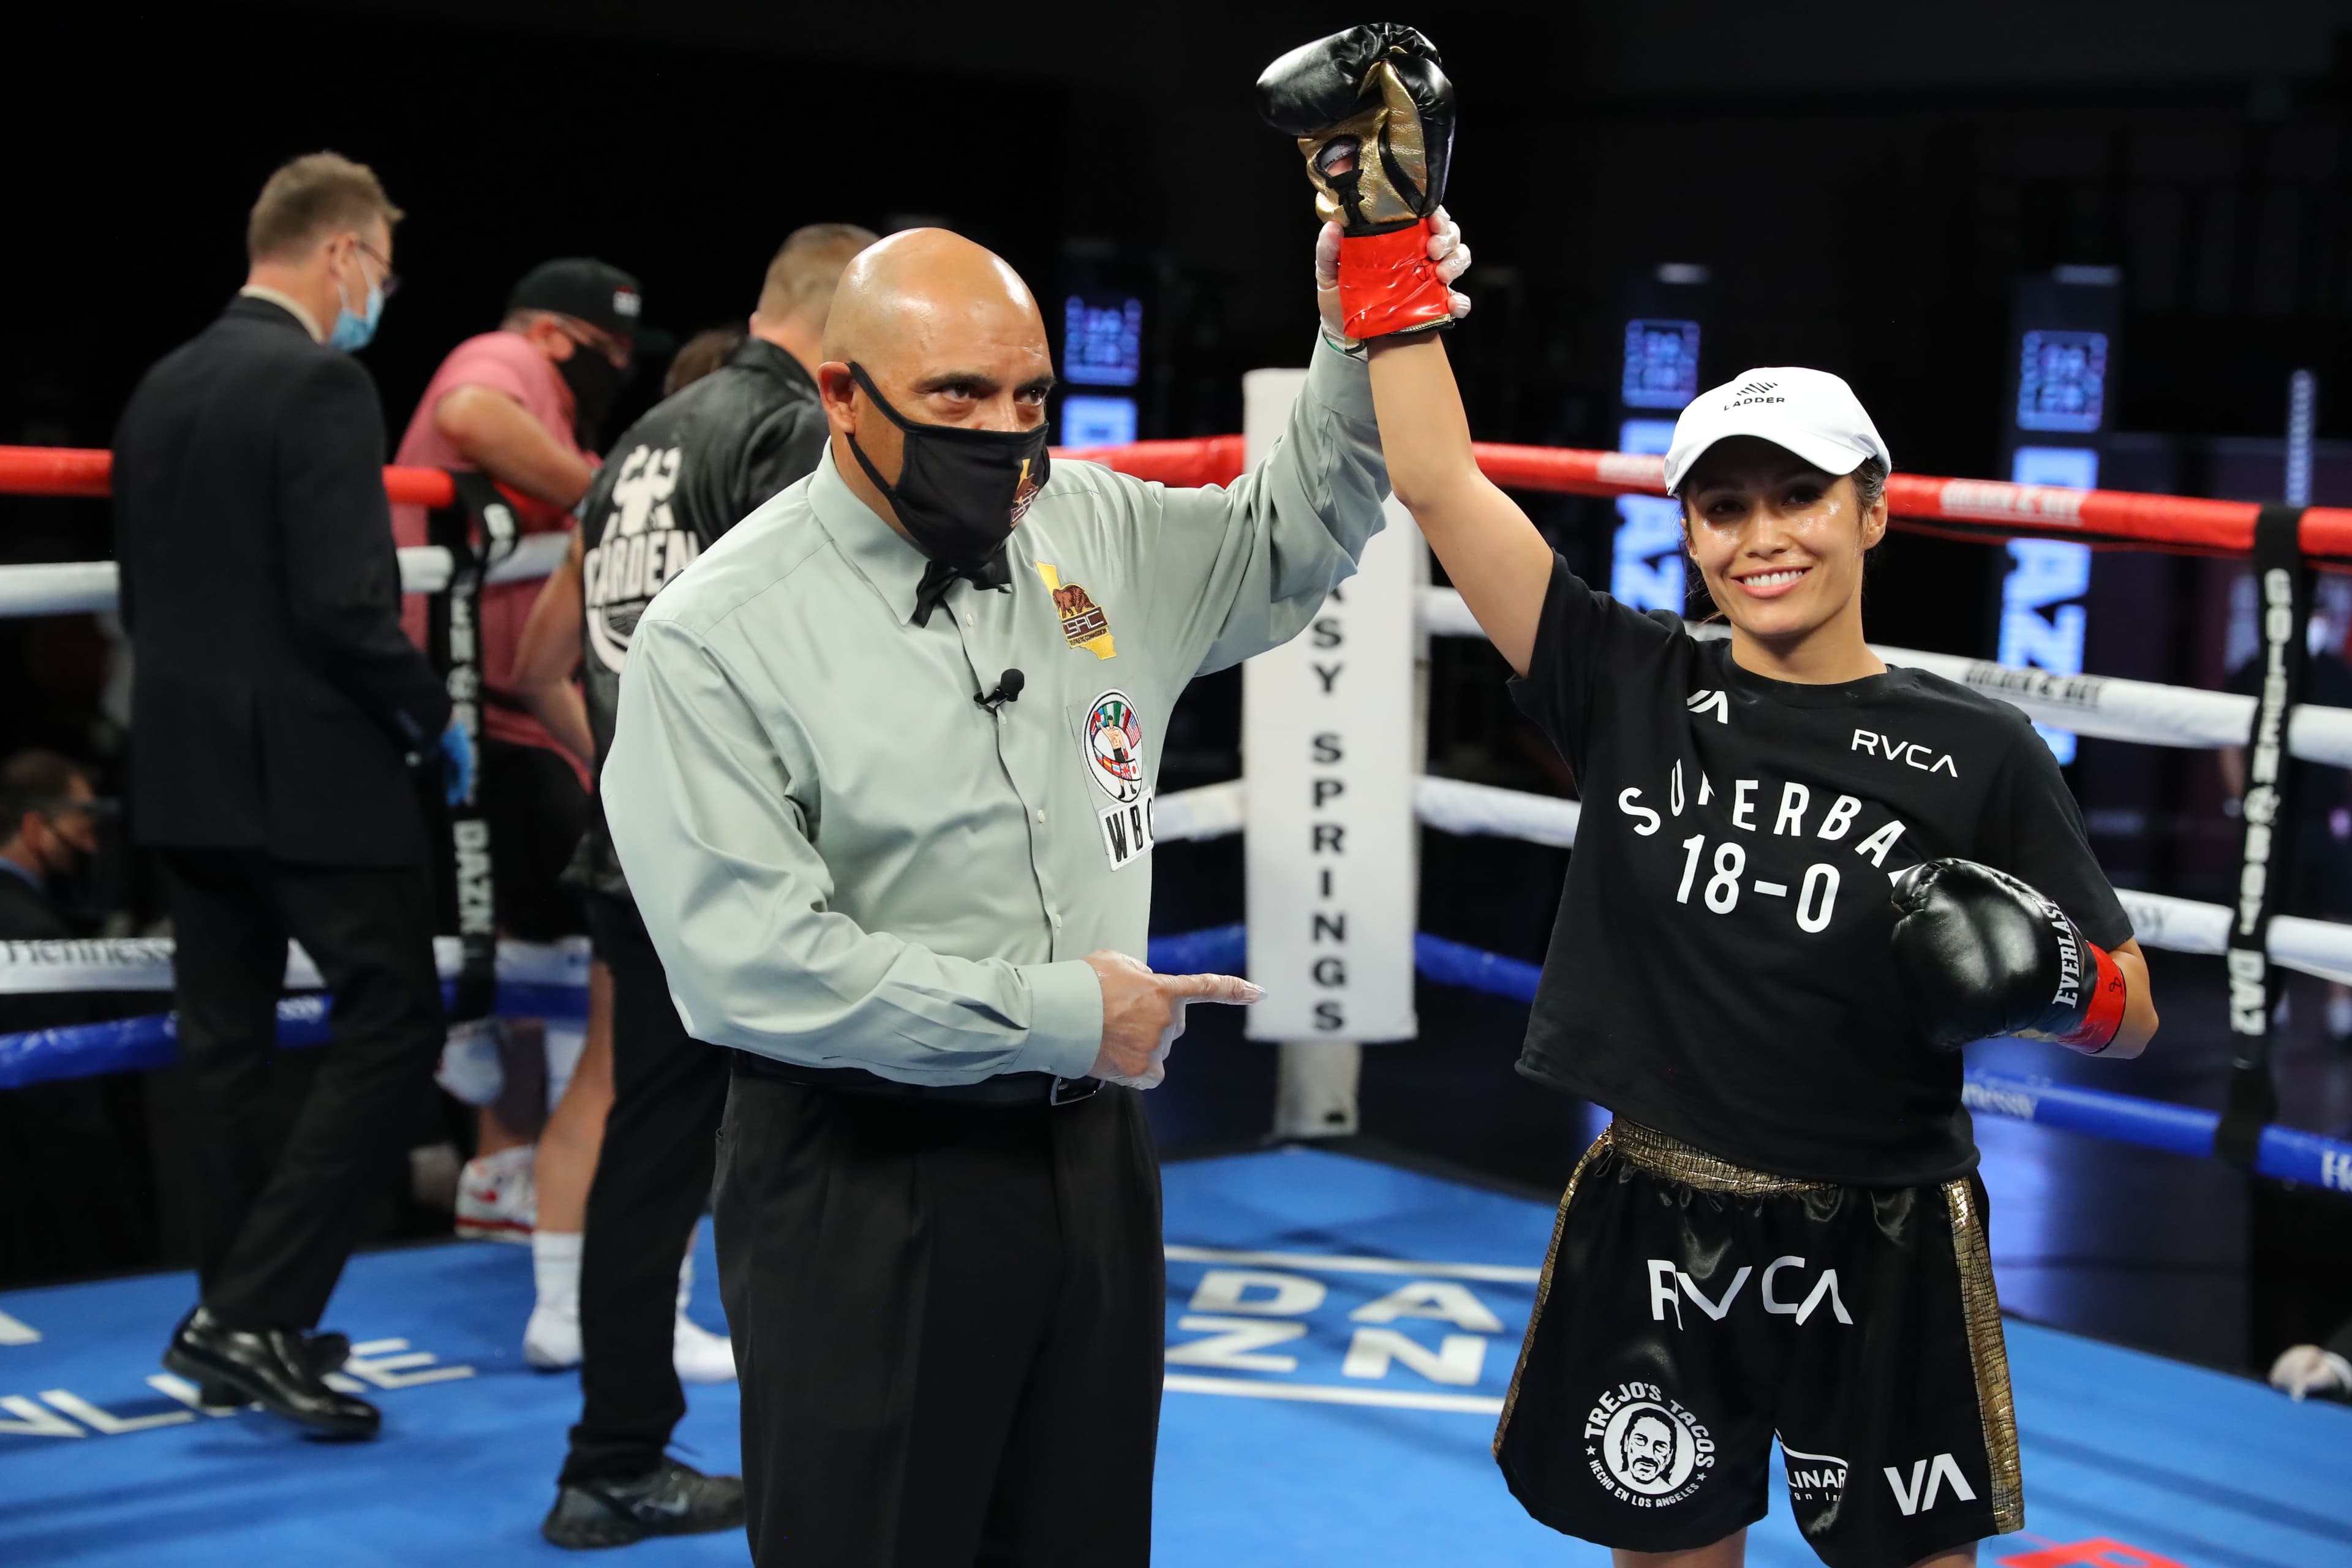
<point x="555" y="1267"/>
<point x="565" y="1041"/>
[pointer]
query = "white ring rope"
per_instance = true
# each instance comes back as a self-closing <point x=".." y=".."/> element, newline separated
<point x="2113" y="710"/>
<point x="83" y="587"/>
<point x="1450" y="805"/>
<point x="2136" y="711"/>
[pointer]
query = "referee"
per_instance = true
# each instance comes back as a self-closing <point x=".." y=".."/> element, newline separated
<point x="882" y="783"/>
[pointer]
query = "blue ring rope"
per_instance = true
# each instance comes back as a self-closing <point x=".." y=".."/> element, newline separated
<point x="152" y="1039"/>
<point x="2286" y="1154"/>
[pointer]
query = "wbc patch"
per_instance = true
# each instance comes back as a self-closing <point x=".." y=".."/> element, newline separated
<point x="1084" y="623"/>
<point x="1113" y="757"/>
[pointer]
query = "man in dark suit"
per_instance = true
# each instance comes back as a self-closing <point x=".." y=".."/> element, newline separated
<point x="276" y="711"/>
<point x="73" y="1153"/>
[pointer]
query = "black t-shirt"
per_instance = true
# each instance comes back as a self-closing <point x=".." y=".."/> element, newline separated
<point x="694" y="467"/>
<point x="1720" y="971"/>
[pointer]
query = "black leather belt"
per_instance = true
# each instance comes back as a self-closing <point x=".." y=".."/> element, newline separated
<point x="1011" y="1088"/>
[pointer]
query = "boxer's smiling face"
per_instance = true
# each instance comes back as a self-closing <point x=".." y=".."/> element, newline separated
<point x="1778" y="543"/>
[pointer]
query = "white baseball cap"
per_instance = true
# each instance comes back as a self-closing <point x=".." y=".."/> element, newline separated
<point x="1810" y="413"/>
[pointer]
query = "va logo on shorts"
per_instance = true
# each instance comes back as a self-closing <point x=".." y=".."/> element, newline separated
<point x="1648" y="1450"/>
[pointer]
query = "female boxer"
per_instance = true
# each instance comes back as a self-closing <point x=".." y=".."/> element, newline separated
<point x="1802" y="880"/>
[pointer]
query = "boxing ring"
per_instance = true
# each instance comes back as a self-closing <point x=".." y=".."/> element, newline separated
<point x="548" y="982"/>
<point x="1364" y="1441"/>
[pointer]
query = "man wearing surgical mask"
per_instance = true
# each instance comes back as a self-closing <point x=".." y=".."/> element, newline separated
<point x="881" y="783"/>
<point x="274" y="714"/>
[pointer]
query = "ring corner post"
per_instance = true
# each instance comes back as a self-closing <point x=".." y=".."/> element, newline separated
<point x="1331" y="745"/>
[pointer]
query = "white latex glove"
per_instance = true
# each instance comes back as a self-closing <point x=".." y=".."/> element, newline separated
<point x="1141" y="1005"/>
<point x="2303" y="1370"/>
<point x="1445" y="248"/>
<point x="1155" y="1071"/>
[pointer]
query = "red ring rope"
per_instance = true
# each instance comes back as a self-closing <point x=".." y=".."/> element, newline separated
<point x="1974" y="509"/>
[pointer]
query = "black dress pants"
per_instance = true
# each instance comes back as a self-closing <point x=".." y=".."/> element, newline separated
<point x="276" y="1223"/>
<point x="949" y="1322"/>
<point x="653" y="1178"/>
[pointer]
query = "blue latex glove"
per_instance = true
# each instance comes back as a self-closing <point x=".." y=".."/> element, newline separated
<point x="458" y="763"/>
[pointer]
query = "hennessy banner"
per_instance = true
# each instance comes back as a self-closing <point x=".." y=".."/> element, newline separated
<point x="1330" y="749"/>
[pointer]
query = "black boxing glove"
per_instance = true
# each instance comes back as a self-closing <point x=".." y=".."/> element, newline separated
<point x="1373" y="113"/>
<point x="1980" y="952"/>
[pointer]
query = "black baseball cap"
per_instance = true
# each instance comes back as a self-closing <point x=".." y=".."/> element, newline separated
<point x="596" y="292"/>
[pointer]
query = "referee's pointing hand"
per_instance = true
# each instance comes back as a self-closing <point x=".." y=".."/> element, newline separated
<point x="1143" y="1012"/>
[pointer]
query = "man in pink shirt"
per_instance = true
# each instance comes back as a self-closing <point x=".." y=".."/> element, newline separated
<point x="523" y="405"/>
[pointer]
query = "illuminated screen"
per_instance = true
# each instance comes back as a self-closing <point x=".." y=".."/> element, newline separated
<point x="1661" y="363"/>
<point x="2062" y="381"/>
<point x="1098" y="421"/>
<point x="2041" y="615"/>
<point x="1102" y="341"/>
<point x="1646" y="566"/>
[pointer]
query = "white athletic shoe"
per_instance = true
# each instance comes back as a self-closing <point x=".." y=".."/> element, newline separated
<point x="551" y="1341"/>
<point x="699" y="1355"/>
<point x="470" y="1069"/>
<point x="498" y="1198"/>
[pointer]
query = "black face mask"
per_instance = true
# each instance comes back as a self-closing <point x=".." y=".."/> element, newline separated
<point x="596" y="384"/>
<point x="959" y="492"/>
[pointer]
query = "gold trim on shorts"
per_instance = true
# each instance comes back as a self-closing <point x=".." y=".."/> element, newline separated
<point x="1988" y="1355"/>
<point x="1543" y="1286"/>
<point x="1678" y="1162"/>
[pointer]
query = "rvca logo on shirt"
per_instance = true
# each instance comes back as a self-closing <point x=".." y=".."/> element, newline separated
<point x="1925" y="759"/>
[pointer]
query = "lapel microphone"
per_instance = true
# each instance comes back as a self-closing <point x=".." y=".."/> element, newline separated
<point x="1008" y="689"/>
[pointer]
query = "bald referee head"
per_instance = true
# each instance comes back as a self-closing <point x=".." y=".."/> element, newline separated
<point x="945" y="334"/>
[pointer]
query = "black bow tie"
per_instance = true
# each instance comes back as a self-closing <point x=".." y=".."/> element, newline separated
<point x="939" y="576"/>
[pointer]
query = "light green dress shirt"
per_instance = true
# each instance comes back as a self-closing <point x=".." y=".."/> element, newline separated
<point x="843" y="859"/>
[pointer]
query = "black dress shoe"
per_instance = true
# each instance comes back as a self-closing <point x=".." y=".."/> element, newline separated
<point x="322" y="1354"/>
<point x="270" y="1367"/>
<point x="673" y="1499"/>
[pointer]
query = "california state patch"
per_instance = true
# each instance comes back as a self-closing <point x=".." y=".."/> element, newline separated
<point x="1084" y="625"/>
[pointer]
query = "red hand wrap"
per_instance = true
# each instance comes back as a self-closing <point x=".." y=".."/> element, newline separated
<point x="2109" y="992"/>
<point x="1388" y="284"/>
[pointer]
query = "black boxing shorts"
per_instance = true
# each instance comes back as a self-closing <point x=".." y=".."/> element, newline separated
<point x="1691" y="1311"/>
